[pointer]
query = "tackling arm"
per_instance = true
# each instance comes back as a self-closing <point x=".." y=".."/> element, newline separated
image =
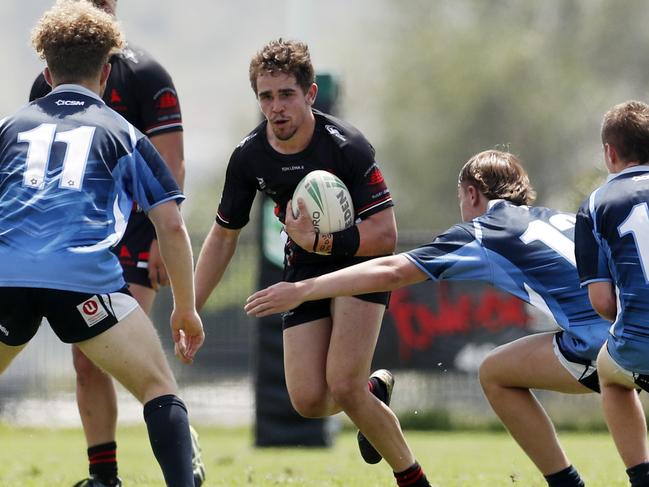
<point x="380" y="274"/>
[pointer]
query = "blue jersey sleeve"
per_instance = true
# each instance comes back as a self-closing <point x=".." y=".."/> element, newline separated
<point x="146" y="177"/>
<point x="592" y="263"/>
<point x="455" y="254"/>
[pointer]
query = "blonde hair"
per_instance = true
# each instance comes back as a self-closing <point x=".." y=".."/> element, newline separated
<point x="285" y="57"/>
<point x="498" y="175"/>
<point x="76" y="39"/>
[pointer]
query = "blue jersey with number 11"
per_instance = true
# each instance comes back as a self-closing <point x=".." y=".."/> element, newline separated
<point x="70" y="169"/>
<point x="612" y="239"/>
<point x="528" y="252"/>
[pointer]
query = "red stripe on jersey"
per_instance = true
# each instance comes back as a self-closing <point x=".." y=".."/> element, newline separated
<point x="163" y="125"/>
<point x="220" y="217"/>
<point x="374" y="204"/>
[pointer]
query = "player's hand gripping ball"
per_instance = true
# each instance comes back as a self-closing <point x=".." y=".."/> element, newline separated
<point x="327" y="201"/>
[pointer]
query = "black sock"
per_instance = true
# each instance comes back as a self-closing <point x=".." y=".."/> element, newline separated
<point x="102" y="462"/>
<point x="412" y="477"/>
<point x="568" y="477"/>
<point x="639" y="475"/>
<point x="168" y="426"/>
<point x="378" y="388"/>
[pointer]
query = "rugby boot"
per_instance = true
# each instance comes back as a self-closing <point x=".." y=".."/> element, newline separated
<point x="93" y="481"/>
<point x="382" y="384"/>
<point x="198" y="467"/>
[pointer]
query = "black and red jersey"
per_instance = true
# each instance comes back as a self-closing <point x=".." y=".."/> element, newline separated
<point x="336" y="147"/>
<point x="139" y="89"/>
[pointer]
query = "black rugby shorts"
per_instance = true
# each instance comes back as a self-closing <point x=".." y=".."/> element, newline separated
<point x="315" y="310"/>
<point x="73" y="316"/>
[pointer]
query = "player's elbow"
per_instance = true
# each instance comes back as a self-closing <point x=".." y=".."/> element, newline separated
<point x="607" y="310"/>
<point x="603" y="299"/>
<point x="170" y="227"/>
<point x="392" y="276"/>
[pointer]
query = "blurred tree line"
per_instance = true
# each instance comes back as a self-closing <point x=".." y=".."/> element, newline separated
<point x="534" y="78"/>
<point x="453" y="77"/>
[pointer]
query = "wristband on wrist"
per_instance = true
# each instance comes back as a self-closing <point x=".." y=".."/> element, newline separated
<point x="346" y="242"/>
<point x="315" y="242"/>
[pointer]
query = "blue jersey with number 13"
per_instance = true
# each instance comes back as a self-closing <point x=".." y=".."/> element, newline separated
<point x="528" y="252"/>
<point x="70" y="169"/>
<point x="612" y="239"/>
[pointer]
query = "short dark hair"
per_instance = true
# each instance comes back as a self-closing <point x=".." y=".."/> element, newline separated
<point x="286" y="57"/>
<point x="626" y="127"/>
<point x="498" y="175"/>
<point x="76" y="39"/>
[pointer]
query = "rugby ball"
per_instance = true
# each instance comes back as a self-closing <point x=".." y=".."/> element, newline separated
<point x="327" y="201"/>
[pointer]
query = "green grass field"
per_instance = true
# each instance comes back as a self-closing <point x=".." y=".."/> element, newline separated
<point x="55" y="457"/>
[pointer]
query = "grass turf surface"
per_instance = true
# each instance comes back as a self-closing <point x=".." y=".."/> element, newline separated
<point x="56" y="457"/>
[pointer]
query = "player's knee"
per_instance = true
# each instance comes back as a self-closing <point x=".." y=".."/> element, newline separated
<point x="487" y="373"/>
<point x="309" y="405"/>
<point x="346" y="391"/>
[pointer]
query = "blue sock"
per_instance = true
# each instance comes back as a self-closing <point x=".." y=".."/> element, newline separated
<point x="168" y="426"/>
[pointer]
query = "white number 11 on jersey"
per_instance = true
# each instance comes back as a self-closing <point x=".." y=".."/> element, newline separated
<point x="40" y="140"/>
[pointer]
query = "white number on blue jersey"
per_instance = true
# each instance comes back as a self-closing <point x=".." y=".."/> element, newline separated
<point x="40" y="140"/>
<point x="550" y="235"/>
<point x="637" y="224"/>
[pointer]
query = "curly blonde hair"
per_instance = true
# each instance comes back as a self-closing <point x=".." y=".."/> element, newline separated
<point x="498" y="175"/>
<point x="76" y="39"/>
<point x="285" y="57"/>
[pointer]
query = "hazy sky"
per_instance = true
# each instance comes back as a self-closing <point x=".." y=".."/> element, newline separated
<point x="206" y="45"/>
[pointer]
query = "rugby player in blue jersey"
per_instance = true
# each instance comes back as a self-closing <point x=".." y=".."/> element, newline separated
<point x="524" y="250"/>
<point x="142" y="91"/>
<point x="70" y="170"/>
<point x="612" y="249"/>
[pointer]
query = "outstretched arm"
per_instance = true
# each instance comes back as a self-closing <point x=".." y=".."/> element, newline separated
<point x="380" y="274"/>
<point x="186" y="326"/>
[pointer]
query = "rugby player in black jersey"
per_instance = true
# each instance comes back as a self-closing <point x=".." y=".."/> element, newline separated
<point x="328" y="344"/>
<point x="142" y="91"/>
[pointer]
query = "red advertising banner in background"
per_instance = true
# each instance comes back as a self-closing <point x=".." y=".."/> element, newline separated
<point x="449" y="325"/>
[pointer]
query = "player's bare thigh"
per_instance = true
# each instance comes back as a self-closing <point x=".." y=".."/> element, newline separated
<point x="611" y="373"/>
<point x="356" y="326"/>
<point x="131" y="352"/>
<point x="529" y="362"/>
<point x="305" y="359"/>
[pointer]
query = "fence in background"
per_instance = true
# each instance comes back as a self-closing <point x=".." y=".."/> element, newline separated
<point x="433" y="336"/>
